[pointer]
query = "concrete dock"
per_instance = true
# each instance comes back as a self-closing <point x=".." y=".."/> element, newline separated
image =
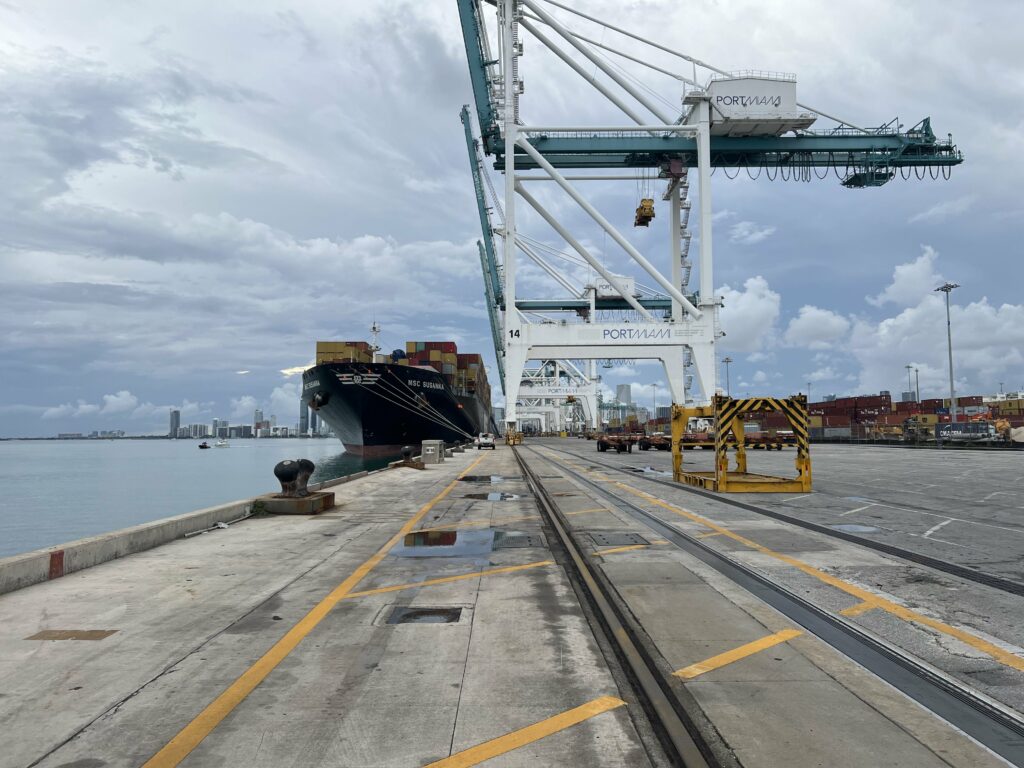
<point x="434" y="618"/>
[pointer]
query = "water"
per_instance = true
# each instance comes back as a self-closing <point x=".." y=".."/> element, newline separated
<point x="52" y="492"/>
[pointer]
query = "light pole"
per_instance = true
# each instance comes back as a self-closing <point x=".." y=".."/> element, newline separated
<point x="908" y="366"/>
<point x="728" y="388"/>
<point x="808" y="391"/>
<point x="917" y="385"/>
<point x="947" y="289"/>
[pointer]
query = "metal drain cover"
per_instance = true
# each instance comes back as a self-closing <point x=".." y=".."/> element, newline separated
<point x="610" y="539"/>
<point x="482" y="479"/>
<point x="504" y="540"/>
<point x="425" y="616"/>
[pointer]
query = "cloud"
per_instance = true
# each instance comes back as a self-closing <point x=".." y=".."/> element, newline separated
<point x="826" y="373"/>
<point x="76" y="410"/>
<point x="242" y="373"/>
<point x="760" y="377"/>
<point x="816" y="328"/>
<point x="945" y="210"/>
<point x="284" y="402"/>
<point x="242" y="408"/>
<point x="749" y="232"/>
<point x="911" y="281"/>
<point x="120" y="403"/>
<point x="749" y="316"/>
<point x="988" y="343"/>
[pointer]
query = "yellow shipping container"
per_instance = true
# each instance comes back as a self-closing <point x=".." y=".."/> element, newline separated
<point x="410" y="347"/>
<point x="815" y="421"/>
<point x="435" y="355"/>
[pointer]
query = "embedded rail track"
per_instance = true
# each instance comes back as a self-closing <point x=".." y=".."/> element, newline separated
<point x="678" y="734"/>
<point x="953" y="569"/>
<point x="992" y="725"/>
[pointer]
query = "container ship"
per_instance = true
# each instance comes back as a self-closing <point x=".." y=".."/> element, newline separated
<point x="378" y="403"/>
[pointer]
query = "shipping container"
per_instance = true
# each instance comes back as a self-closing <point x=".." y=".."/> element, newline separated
<point x="836" y="431"/>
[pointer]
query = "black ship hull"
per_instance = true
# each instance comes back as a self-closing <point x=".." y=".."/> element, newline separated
<point x="376" y="408"/>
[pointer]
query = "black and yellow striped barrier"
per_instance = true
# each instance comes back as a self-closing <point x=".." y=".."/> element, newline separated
<point x="727" y="415"/>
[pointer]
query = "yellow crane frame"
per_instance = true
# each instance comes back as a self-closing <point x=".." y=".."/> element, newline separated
<point x="728" y="419"/>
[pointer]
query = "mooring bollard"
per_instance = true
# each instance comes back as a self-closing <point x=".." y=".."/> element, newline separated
<point x="294" y="476"/>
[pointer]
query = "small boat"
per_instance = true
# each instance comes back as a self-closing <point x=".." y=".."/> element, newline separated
<point x="221" y="444"/>
<point x="203" y="445"/>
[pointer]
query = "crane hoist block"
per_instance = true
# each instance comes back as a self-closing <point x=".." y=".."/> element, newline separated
<point x="644" y="213"/>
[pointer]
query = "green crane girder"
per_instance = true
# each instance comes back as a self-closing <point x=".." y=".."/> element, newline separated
<point x="859" y="159"/>
<point x="492" y="313"/>
<point x="491" y="261"/>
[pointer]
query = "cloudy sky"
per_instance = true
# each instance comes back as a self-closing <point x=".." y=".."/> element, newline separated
<point x="189" y="191"/>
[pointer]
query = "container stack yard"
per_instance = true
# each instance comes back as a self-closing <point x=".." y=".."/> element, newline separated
<point x="876" y="417"/>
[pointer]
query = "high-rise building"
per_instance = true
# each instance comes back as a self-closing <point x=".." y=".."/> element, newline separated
<point x="314" y="422"/>
<point x="175" y="423"/>
<point x="273" y="420"/>
<point x="303" y="418"/>
<point x="624" y="394"/>
<point x="257" y="418"/>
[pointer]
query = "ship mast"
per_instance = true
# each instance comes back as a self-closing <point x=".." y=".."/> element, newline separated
<point x="375" y="336"/>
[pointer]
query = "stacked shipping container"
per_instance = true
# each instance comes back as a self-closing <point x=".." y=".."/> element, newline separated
<point x="465" y="373"/>
<point x="343" y="352"/>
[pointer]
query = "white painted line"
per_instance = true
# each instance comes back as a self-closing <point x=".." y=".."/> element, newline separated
<point x="995" y="493"/>
<point x="936" y="527"/>
<point x="958" y="519"/>
<point x="794" y="498"/>
<point x="858" y="509"/>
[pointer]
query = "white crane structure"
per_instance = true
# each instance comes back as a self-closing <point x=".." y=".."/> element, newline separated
<point x="746" y="120"/>
<point x="558" y="396"/>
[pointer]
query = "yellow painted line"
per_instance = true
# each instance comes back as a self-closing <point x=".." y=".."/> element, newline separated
<point x="723" y="659"/>
<point x="1001" y="655"/>
<point x="178" y="748"/>
<point x="858" y="609"/>
<point x="447" y="579"/>
<point x="529" y="734"/>
<point x="587" y="511"/>
<point x="613" y="550"/>
<point x="708" y="534"/>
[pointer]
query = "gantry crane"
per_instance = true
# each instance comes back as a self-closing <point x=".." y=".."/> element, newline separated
<point x="747" y="120"/>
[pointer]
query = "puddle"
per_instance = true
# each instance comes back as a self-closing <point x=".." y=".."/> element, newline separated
<point x="445" y="544"/>
<point x="425" y="616"/>
<point x="492" y="479"/>
<point x="653" y="471"/>
<point x="494" y="496"/>
<point x="854" y="528"/>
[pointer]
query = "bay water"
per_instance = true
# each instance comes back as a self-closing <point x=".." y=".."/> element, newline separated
<point x="56" y="491"/>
